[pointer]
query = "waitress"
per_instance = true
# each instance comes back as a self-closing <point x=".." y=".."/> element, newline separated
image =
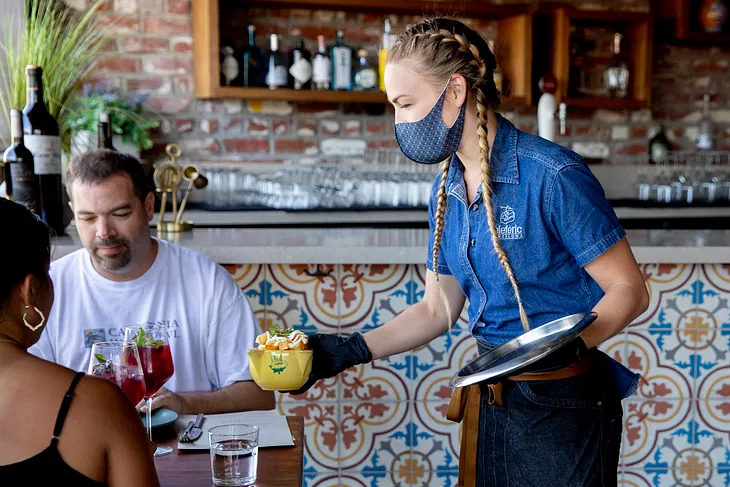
<point x="521" y="228"/>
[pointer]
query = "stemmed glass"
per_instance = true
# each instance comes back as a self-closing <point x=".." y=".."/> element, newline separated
<point x="119" y="363"/>
<point x="155" y="356"/>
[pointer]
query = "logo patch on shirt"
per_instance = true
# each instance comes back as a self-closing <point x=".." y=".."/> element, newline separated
<point x="507" y="229"/>
<point x="94" y="335"/>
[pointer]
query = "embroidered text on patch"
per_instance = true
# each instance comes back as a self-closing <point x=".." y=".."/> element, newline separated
<point x="506" y="231"/>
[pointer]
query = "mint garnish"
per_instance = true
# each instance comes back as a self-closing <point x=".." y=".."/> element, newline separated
<point x="280" y="332"/>
<point x="100" y="357"/>
<point x="142" y="341"/>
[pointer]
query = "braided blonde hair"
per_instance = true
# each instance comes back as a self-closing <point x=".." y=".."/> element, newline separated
<point x="445" y="47"/>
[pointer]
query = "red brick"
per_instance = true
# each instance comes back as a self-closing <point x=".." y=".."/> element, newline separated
<point x="301" y="15"/>
<point x="110" y="45"/>
<point x="312" y="31"/>
<point x="117" y="64"/>
<point x="639" y="132"/>
<point x="320" y="109"/>
<point x="200" y="146"/>
<point x="119" y="23"/>
<point x="296" y="146"/>
<point x="170" y="105"/>
<point x="382" y="144"/>
<point x="306" y="128"/>
<point x="329" y="127"/>
<point x="125" y="6"/>
<point x="320" y="17"/>
<point x="375" y="128"/>
<point x="168" y="65"/>
<point x="711" y="66"/>
<point x="165" y="25"/>
<point x="247" y="145"/>
<point x="352" y="127"/>
<point x="630" y="149"/>
<point x="233" y="125"/>
<point x="182" y="44"/>
<point x="257" y="126"/>
<point x="282" y="127"/>
<point x="183" y="85"/>
<point x="209" y="126"/>
<point x="160" y="85"/>
<point x="184" y="125"/>
<point x="151" y="6"/>
<point x="362" y="35"/>
<point x="178" y="6"/>
<point x="144" y="44"/>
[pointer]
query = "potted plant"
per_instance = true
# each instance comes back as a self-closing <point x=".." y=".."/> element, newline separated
<point x="130" y="126"/>
<point x="65" y="43"/>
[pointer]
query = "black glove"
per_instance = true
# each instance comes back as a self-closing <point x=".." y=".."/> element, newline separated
<point x="333" y="354"/>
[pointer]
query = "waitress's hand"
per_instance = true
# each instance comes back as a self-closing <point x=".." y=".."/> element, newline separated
<point x="333" y="354"/>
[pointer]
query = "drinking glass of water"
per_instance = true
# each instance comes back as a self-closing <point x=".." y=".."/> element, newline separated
<point x="234" y="454"/>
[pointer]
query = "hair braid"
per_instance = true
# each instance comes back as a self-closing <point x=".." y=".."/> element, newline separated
<point x="438" y="232"/>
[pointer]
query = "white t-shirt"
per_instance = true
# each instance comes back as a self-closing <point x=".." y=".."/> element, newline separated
<point x="209" y="321"/>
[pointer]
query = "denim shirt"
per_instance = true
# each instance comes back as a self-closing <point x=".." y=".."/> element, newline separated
<point x="552" y="219"/>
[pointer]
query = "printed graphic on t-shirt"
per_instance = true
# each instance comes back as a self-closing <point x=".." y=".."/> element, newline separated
<point x="116" y="334"/>
<point x="507" y="229"/>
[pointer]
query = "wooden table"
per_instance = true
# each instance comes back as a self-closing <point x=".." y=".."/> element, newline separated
<point x="277" y="466"/>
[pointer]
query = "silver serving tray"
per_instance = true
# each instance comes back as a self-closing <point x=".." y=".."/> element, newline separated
<point x="509" y="358"/>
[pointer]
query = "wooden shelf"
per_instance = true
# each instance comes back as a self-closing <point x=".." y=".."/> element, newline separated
<point x="514" y="44"/>
<point x="302" y="95"/>
<point x="637" y="29"/>
<point x="478" y="8"/>
<point x="608" y="103"/>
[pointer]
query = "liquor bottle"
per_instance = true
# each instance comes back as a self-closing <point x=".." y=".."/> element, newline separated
<point x="276" y="76"/>
<point x="616" y="77"/>
<point x="498" y="78"/>
<point x="253" y="63"/>
<point x="659" y="147"/>
<point x="230" y="68"/>
<point x="300" y="67"/>
<point x="388" y="41"/>
<point x="43" y="141"/>
<point x="104" y="132"/>
<point x="341" y="64"/>
<point x="20" y="180"/>
<point x="366" y="77"/>
<point x="321" y="67"/>
<point x="707" y="128"/>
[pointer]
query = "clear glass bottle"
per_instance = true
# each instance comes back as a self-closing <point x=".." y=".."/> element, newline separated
<point x="616" y="77"/>
<point x="321" y="67"/>
<point x="659" y="147"/>
<point x="230" y="69"/>
<point x="706" y="129"/>
<point x="277" y="75"/>
<point x="366" y="76"/>
<point x="341" y="64"/>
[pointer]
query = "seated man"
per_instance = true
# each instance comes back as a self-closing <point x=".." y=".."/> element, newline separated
<point x="125" y="277"/>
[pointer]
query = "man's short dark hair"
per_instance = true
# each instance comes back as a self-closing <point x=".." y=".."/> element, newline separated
<point x="97" y="166"/>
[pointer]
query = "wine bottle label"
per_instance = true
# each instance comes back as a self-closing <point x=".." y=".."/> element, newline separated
<point x="46" y="150"/>
<point x="23" y="184"/>
<point x="276" y="76"/>
<point x="301" y="70"/>
<point x="230" y="69"/>
<point x="321" y="70"/>
<point x="704" y="141"/>
<point x="366" y="79"/>
<point x="343" y="68"/>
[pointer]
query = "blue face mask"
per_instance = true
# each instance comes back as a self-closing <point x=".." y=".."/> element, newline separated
<point x="429" y="140"/>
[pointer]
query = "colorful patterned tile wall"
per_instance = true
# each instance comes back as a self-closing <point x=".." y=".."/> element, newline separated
<point x="384" y="424"/>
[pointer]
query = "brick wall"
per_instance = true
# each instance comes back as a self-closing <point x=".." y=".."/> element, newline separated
<point x="151" y="52"/>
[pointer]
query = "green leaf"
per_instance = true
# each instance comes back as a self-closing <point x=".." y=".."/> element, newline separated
<point x="100" y="357"/>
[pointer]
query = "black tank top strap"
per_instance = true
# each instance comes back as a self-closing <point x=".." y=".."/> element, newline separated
<point x="65" y="405"/>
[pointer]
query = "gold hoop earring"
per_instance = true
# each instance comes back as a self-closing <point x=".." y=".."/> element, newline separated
<point x="31" y="327"/>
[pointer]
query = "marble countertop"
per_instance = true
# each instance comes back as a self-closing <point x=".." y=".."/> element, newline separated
<point x="397" y="246"/>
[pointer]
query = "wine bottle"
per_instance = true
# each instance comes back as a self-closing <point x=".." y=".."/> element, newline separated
<point x="341" y="64"/>
<point x="20" y="180"/>
<point x="321" y="67"/>
<point x="254" y="62"/>
<point x="43" y="141"/>
<point x="104" y="132"/>
<point x="300" y="70"/>
<point x="276" y="77"/>
<point x="659" y="147"/>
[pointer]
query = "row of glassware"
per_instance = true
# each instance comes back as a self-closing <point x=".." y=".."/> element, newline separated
<point x="687" y="178"/>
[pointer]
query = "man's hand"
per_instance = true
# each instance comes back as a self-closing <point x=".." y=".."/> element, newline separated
<point x="165" y="399"/>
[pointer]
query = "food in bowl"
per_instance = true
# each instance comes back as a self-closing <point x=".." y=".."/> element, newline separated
<point x="281" y="361"/>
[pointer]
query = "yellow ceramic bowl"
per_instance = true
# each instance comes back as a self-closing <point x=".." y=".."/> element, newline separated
<point x="275" y="370"/>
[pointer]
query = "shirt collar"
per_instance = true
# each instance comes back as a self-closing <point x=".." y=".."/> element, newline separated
<point x="503" y="159"/>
